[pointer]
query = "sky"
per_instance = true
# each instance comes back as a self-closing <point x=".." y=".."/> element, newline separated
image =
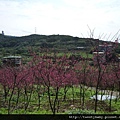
<point x="80" y="18"/>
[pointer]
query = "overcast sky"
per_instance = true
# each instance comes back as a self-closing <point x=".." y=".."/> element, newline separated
<point x="68" y="17"/>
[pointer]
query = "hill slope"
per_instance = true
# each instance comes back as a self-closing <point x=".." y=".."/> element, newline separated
<point x="10" y="45"/>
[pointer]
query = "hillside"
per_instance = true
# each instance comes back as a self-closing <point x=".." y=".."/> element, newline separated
<point x="11" y="45"/>
<point x="50" y="41"/>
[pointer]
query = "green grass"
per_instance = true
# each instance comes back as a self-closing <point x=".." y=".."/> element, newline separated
<point x="65" y="106"/>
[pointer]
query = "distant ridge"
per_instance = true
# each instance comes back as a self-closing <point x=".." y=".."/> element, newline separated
<point x="19" y="45"/>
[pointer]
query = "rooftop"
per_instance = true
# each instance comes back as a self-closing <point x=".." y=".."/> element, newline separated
<point x="12" y="57"/>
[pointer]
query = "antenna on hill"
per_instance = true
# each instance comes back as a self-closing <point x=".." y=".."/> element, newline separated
<point x="35" y="30"/>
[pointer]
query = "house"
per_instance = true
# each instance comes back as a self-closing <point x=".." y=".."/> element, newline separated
<point x="12" y="60"/>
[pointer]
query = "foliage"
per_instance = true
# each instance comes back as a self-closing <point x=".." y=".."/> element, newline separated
<point x="52" y="80"/>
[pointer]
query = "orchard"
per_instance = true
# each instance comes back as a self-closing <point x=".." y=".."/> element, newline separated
<point x="56" y="85"/>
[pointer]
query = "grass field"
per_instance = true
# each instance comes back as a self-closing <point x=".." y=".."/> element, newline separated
<point x="71" y="104"/>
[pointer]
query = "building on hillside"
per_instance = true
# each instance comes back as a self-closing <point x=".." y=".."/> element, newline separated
<point x="12" y="60"/>
<point x="2" y="32"/>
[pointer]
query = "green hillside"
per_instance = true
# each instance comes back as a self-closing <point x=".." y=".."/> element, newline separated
<point x="11" y="45"/>
<point x="50" y="41"/>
